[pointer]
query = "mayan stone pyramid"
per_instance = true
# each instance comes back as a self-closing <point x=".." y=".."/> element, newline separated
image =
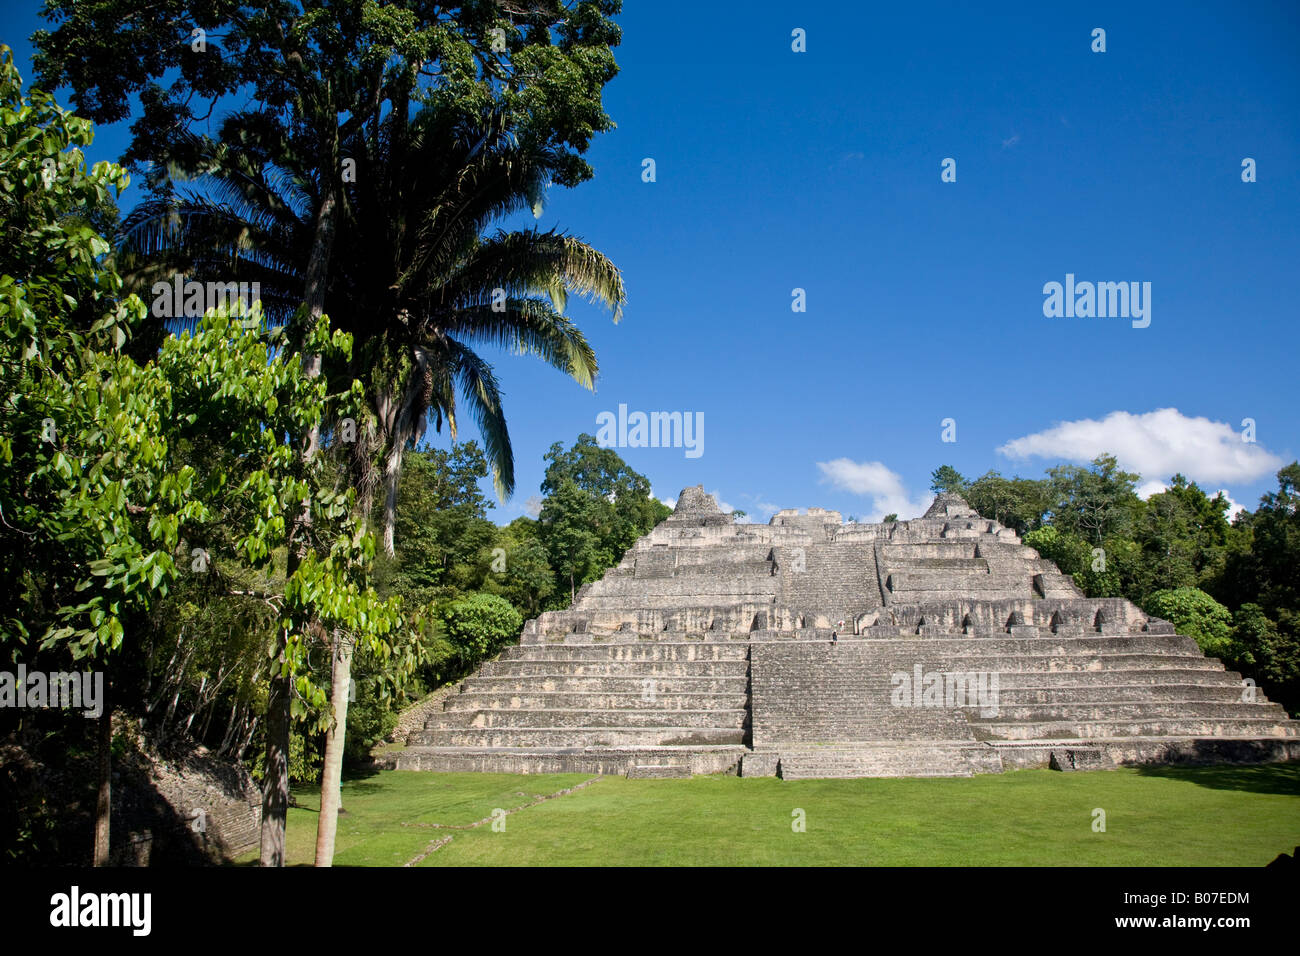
<point x="807" y="647"/>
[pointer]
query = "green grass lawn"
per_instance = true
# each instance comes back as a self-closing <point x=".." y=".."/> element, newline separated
<point x="1215" y="816"/>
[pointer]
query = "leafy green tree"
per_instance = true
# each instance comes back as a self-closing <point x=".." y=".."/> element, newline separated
<point x="1018" y="503"/>
<point x="1068" y="551"/>
<point x="1183" y="535"/>
<point x="442" y="528"/>
<point x="1276" y="544"/>
<point x="520" y="571"/>
<point x="336" y="84"/>
<point x="1197" y="615"/>
<point x="622" y="508"/>
<point x="1238" y="582"/>
<point x="1261" y="577"/>
<point x="1093" y="569"/>
<point x="69" y="394"/>
<point x="1095" y="501"/>
<point x="435" y="296"/>
<point x="1260" y="648"/>
<point x="947" y="478"/>
<point x="81" y="436"/>
<point x="96" y="434"/>
<point x="568" y="518"/>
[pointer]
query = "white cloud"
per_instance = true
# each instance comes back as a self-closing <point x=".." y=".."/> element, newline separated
<point x="533" y="506"/>
<point x="1149" y="488"/>
<point x="1155" y="444"/>
<point x="722" y="505"/>
<point x="670" y="502"/>
<point x="873" y="480"/>
<point x="758" y="510"/>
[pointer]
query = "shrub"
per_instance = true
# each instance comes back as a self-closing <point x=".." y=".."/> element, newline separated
<point x="1197" y="615"/>
<point x="477" y="626"/>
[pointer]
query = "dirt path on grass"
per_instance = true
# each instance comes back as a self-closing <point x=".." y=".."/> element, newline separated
<point x="438" y="844"/>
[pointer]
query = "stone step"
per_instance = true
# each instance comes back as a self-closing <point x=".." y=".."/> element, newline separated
<point x="1128" y="710"/>
<point x="933" y="660"/>
<point x="1046" y="643"/>
<point x="1024" y="754"/>
<point x="1165" y="727"/>
<point x="948" y="565"/>
<point x="592" y="683"/>
<point x="1120" y="678"/>
<point x="557" y="717"/>
<point x="902" y="554"/>
<point x="1113" y="692"/>
<point x="604" y="760"/>
<point x="632" y="649"/>
<point x="887" y="759"/>
<point x="613" y="668"/>
<point x="883" y="660"/>
<point x="658" y="772"/>
<point x="735" y="635"/>
<point x="1041" y="640"/>
<point x="595" y="701"/>
<point x="569" y="737"/>
<point x="974" y="576"/>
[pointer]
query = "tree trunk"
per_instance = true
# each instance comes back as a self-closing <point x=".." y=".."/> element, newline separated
<point x="275" y="784"/>
<point x="392" y="475"/>
<point x="275" y="788"/>
<point x="331" y="780"/>
<point x="104" y="802"/>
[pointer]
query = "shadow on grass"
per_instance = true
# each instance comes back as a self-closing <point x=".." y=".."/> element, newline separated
<point x="1281" y="778"/>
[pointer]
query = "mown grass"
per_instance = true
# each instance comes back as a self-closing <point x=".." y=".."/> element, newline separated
<point x="1213" y="816"/>
<point x="371" y="831"/>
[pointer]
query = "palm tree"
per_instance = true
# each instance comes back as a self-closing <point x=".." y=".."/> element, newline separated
<point x="415" y="279"/>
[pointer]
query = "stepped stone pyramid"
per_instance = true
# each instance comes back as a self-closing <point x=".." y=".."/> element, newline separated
<point x="807" y="647"/>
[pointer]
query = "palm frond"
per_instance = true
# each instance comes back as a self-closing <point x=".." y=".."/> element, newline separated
<point x="528" y="326"/>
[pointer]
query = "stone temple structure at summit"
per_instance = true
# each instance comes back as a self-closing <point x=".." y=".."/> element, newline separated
<point x="807" y="647"/>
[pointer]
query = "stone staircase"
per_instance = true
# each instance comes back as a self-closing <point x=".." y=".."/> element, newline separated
<point x="670" y="703"/>
<point x="715" y="647"/>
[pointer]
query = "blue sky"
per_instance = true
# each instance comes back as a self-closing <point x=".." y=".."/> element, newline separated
<point x="820" y="170"/>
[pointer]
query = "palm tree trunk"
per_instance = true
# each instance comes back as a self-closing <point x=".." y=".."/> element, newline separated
<point x="332" y="772"/>
<point x="405" y="417"/>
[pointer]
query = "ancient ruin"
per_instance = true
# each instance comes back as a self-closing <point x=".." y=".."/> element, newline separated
<point x="807" y="647"/>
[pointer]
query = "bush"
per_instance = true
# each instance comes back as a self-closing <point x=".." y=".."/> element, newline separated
<point x="1197" y="615"/>
<point x="370" y="720"/>
<point x="477" y="626"/>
